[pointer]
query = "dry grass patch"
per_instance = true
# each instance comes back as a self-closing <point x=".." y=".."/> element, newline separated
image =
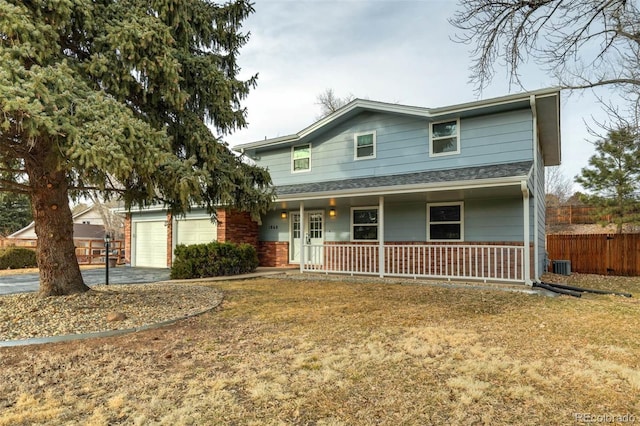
<point x="324" y="352"/>
<point x="22" y="271"/>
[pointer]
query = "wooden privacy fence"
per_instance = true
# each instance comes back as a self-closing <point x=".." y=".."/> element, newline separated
<point x="88" y="252"/>
<point x="605" y="254"/>
<point x="91" y="252"/>
<point x="573" y="215"/>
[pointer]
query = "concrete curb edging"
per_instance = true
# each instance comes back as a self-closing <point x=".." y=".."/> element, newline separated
<point x="111" y="333"/>
<point x="108" y="333"/>
<point x="223" y="278"/>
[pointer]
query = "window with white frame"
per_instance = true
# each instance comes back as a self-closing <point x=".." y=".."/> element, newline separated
<point x="301" y="158"/>
<point x="364" y="145"/>
<point x="445" y="221"/>
<point x="444" y="138"/>
<point x="364" y="224"/>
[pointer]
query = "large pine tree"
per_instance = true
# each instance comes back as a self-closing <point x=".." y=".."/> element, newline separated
<point x="613" y="177"/>
<point x="15" y="213"/>
<point x="117" y="96"/>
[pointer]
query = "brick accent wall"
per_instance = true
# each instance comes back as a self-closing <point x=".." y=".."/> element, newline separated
<point x="127" y="239"/>
<point x="273" y="253"/>
<point x="237" y="227"/>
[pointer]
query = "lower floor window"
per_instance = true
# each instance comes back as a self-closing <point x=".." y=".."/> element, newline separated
<point x="364" y="223"/>
<point x="445" y="221"/>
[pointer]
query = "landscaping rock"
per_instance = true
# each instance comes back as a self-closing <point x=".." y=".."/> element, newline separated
<point x="116" y="316"/>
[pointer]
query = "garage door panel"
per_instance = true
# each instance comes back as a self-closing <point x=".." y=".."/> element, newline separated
<point x="151" y="244"/>
<point x="196" y="231"/>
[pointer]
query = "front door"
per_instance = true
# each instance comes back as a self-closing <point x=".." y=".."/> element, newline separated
<point x="313" y="235"/>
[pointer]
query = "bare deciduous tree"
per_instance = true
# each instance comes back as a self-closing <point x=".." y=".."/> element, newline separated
<point x="113" y="222"/>
<point x="330" y="103"/>
<point x="584" y="43"/>
<point x="558" y="187"/>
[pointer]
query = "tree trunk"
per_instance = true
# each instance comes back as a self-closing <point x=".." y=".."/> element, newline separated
<point x="621" y="212"/>
<point x="56" y="254"/>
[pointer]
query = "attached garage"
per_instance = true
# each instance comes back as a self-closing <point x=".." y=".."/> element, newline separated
<point x="152" y="233"/>
<point x="196" y="231"/>
<point x="150" y="245"/>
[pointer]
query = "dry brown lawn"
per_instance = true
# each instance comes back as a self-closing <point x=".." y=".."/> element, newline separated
<point x="5" y="272"/>
<point x="282" y="351"/>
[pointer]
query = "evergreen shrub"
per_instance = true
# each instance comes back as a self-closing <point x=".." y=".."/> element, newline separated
<point x="213" y="260"/>
<point x="17" y="258"/>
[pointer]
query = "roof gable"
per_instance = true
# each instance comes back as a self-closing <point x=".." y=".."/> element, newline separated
<point x="28" y="232"/>
<point x="513" y="171"/>
<point x="545" y="104"/>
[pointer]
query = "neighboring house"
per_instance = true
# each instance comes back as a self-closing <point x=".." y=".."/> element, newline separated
<point x="87" y="225"/>
<point x="394" y="190"/>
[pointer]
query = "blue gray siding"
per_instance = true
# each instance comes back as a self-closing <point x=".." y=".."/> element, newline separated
<point x="405" y="221"/>
<point x="541" y="207"/>
<point x="197" y="213"/>
<point x="273" y="227"/>
<point x="538" y="206"/>
<point x="491" y="220"/>
<point x="485" y="220"/>
<point x="140" y="216"/>
<point x="402" y="146"/>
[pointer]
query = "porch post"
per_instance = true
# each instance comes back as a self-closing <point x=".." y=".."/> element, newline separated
<point x="527" y="237"/>
<point x="381" y="236"/>
<point x="302" y="225"/>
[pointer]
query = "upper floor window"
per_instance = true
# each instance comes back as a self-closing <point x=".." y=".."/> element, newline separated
<point x="445" y="221"/>
<point x="301" y="158"/>
<point x="364" y="145"/>
<point x="444" y="138"/>
<point x="364" y="224"/>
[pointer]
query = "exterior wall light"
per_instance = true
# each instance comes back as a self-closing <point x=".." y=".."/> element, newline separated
<point x="332" y="212"/>
<point x="283" y="214"/>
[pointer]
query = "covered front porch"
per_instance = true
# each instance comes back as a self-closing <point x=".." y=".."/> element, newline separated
<point x="427" y="260"/>
<point x="453" y="233"/>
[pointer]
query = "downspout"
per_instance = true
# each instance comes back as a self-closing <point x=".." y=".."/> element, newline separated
<point x="536" y="226"/>
<point x="527" y="237"/>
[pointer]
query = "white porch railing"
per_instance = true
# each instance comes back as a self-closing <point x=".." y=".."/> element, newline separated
<point x="446" y="261"/>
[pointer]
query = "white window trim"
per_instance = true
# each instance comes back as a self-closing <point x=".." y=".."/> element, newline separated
<point x="292" y="159"/>
<point x="461" y="222"/>
<point x="355" y="145"/>
<point x="431" y="139"/>
<point x="377" y="225"/>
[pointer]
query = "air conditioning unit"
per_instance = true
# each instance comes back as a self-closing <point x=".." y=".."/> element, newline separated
<point x="562" y="267"/>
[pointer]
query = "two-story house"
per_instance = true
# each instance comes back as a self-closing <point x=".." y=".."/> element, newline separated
<point x="392" y="190"/>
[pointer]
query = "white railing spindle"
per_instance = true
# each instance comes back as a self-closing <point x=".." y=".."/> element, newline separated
<point x="446" y="261"/>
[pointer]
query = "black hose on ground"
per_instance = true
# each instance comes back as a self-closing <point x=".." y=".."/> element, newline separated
<point x="558" y="290"/>
<point x="587" y="290"/>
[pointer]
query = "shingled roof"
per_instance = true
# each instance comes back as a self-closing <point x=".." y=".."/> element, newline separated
<point x="429" y="177"/>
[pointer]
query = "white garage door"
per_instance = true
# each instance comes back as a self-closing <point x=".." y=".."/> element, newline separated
<point x="196" y="231"/>
<point x="151" y="244"/>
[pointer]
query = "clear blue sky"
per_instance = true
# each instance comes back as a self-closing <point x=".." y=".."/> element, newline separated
<point x="385" y="50"/>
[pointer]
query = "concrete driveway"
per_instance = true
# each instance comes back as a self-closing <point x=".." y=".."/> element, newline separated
<point x="22" y="283"/>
